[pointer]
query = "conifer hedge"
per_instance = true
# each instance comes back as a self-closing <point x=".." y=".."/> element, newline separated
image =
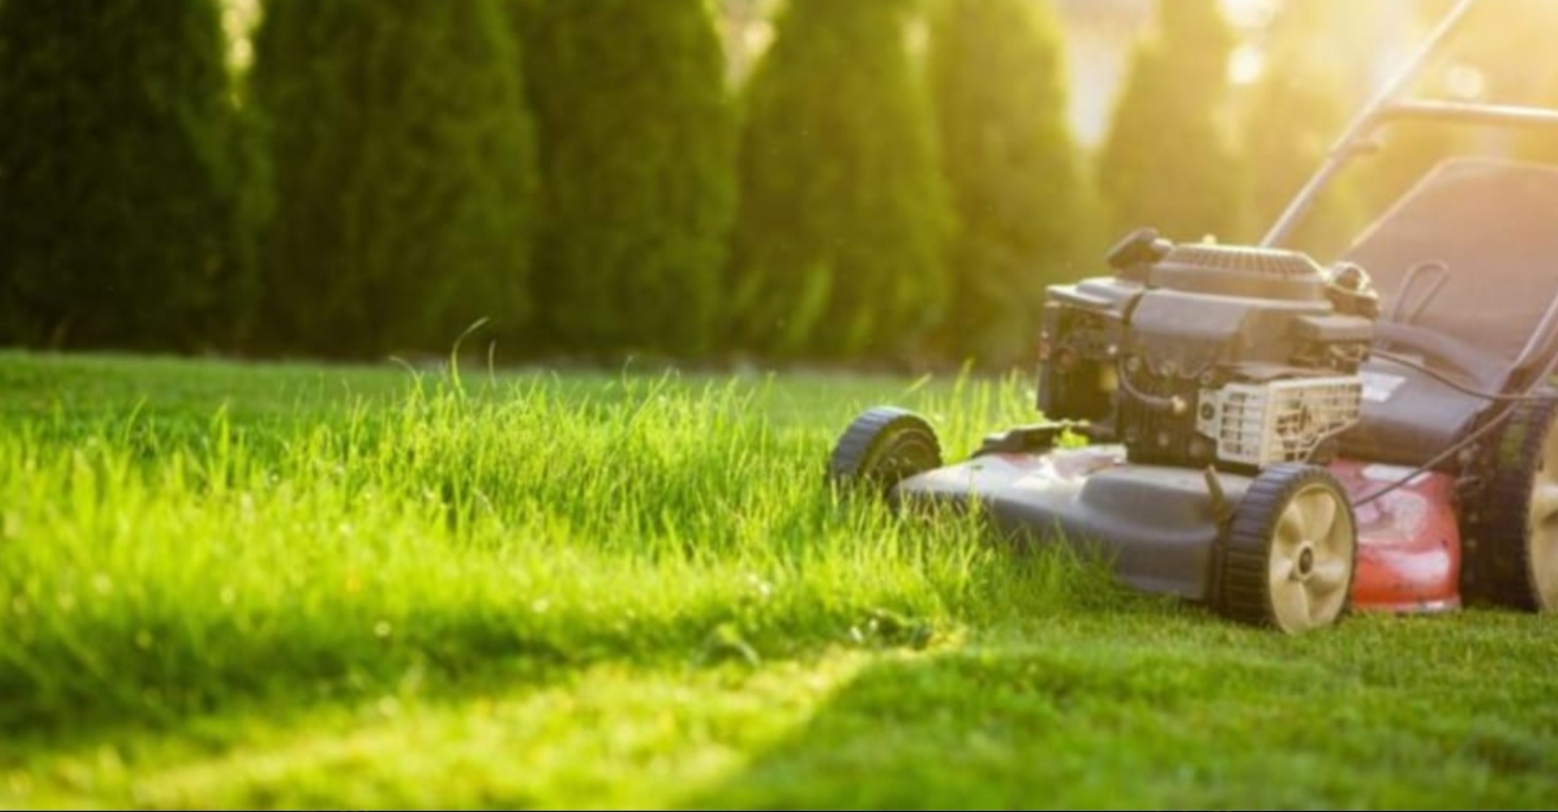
<point x="403" y="153"/>
<point x="1011" y="166"/>
<point x="839" y="249"/>
<point x="123" y="172"/>
<point x="1168" y="161"/>
<point x="637" y="152"/>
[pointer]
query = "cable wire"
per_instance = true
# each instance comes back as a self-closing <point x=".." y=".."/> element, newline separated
<point x="1407" y="361"/>
<point x="1455" y="448"/>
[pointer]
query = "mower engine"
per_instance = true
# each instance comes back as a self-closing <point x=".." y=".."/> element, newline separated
<point x="1197" y="355"/>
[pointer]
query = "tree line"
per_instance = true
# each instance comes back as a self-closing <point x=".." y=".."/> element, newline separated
<point x="895" y="179"/>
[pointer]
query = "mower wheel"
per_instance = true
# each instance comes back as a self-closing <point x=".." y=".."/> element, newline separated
<point x="881" y="448"/>
<point x="1291" y="551"/>
<point x="1514" y="559"/>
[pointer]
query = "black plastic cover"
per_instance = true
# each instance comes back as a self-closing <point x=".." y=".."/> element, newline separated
<point x="1494" y="225"/>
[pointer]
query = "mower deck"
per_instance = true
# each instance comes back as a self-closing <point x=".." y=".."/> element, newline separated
<point x="1162" y="526"/>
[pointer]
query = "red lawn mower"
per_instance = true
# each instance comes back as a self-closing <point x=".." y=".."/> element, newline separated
<point x="1285" y="441"/>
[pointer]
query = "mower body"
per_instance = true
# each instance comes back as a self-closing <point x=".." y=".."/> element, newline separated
<point x="1162" y="527"/>
<point x="1265" y="434"/>
<point x="1180" y="452"/>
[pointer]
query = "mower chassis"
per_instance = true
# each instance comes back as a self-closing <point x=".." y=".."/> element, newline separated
<point x="1162" y="528"/>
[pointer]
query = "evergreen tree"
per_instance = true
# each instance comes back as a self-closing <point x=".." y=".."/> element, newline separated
<point x="403" y="154"/>
<point x="1167" y="161"/>
<point x="1011" y="167"/>
<point x="121" y="175"/>
<point x="1294" y="117"/>
<point x="637" y="145"/>
<point x="839" y="246"/>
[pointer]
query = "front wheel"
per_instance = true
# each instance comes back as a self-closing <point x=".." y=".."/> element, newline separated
<point x="883" y="447"/>
<point x="1291" y="551"/>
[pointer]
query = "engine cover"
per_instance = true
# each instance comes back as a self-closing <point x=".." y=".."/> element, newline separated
<point x="1204" y="354"/>
<point x="1257" y="425"/>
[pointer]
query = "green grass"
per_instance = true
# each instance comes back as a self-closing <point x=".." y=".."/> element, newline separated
<point x="266" y="585"/>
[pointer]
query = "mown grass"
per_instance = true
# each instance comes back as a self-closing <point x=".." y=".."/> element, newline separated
<point x="265" y="585"/>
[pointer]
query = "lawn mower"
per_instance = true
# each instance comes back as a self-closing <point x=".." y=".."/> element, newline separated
<point x="1285" y="441"/>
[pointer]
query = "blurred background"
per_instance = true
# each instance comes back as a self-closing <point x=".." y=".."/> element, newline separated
<point x="870" y="183"/>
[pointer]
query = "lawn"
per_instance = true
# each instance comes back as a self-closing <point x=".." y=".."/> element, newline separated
<point x="264" y="585"/>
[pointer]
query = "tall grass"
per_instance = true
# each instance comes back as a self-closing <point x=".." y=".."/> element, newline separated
<point x="263" y="586"/>
<point x="472" y="528"/>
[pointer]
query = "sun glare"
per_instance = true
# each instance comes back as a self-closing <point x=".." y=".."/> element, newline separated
<point x="1247" y="65"/>
<point x="1250" y="12"/>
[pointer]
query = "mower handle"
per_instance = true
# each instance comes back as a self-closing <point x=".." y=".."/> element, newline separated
<point x="1499" y="115"/>
<point x="1367" y="118"/>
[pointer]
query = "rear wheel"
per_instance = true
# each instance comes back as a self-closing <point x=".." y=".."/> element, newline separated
<point x="1514" y="558"/>
<point x="1291" y="551"/>
<point x="883" y="447"/>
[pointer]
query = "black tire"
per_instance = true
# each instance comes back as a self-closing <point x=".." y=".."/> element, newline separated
<point x="881" y="448"/>
<point x="1291" y="551"/>
<point x="1511" y="559"/>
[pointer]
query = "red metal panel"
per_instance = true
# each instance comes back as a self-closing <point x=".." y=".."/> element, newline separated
<point x="1409" y="542"/>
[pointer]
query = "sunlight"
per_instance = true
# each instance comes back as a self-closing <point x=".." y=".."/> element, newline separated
<point x="1466" y="83"/>
<point x="1250" y="12"/>
<point x="1247" y="64"/>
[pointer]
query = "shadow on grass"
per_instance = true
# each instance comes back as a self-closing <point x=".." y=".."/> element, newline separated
<point x="282" y="676"/>
<point x="300" y="668"/>
<point x="1100" y="704"/>
<point x="508" y="733"/>
<point x="154" y="671"/>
